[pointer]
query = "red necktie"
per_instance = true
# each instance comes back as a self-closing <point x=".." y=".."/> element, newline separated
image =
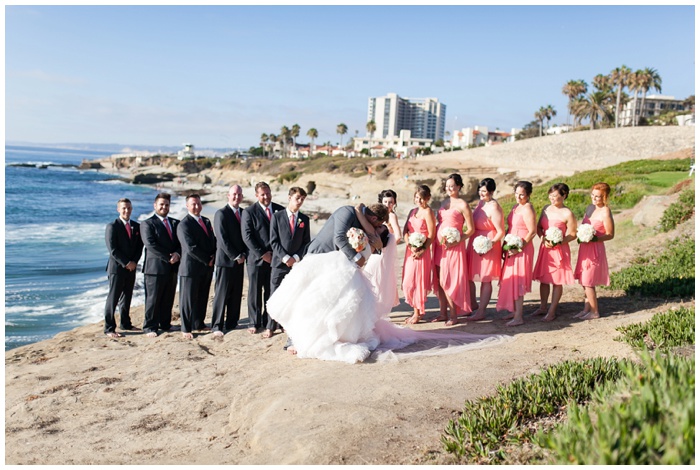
<point x="128" y="229"/>
<point x="238" y="215"/>
<point x="291" y="223"/>
<point x="204" y="227"/>
<point x="167" y="227"/>
<point x="267" y="212"/>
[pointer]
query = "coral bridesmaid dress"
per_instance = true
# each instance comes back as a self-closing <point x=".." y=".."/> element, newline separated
<point x="516" y="275"/>
<point x="417" y="273"/>
<point x="453" y="261"/>
<point x="483" y="268"/>
<point x="592" y="264"/>
<point x="554" y="264"/>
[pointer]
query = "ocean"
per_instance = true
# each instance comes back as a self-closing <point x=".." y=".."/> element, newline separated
<point x="55" y="252"/>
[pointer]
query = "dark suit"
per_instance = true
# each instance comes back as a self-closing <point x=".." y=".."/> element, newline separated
<point x="229" y="272"/>
<point x="283" y="244"/>
<point x="256" y="235"/>
<point x="159" y="276"/>
<point x="333" y="234"/>
<point x="122" y="250"/>
<point x="198" y="249"/>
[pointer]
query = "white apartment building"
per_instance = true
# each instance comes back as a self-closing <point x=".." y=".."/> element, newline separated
<point x="654" y="105"/>
<point x="403" y="145"/>
<point x="424" y="117"/>
<point x="480" y="135"/>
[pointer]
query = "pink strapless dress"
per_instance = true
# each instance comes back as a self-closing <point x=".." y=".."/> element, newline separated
<point x="417" y="281"/>
<point x="516" y="275"/>
<point x="483" y="268"/>
<point x="453" y="261"/>
<point x="592" y="264"/>
<point x="554" y="264"/>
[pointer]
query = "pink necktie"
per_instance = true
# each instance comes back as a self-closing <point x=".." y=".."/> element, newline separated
<point x="291" y="224"/>
<point x="267" y="212"/>
<point x="204" y="227"/>
<point x="128" y="229"/>
<point x="238" y="215"/>
<point x="167" y="227"/>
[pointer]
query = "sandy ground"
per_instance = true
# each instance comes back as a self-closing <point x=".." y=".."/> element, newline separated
<point x="81" y="398"/>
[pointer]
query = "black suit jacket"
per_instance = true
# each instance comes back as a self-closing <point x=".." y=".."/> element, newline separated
<point x="333" y="234"/>
<point x="122" y="249"/>
<point x="256" y="231"/>
<point x="159" y="246"/>
<point x="198" y="248"/>
<point x="229" y="237"/>
<point x="281" y="239"/>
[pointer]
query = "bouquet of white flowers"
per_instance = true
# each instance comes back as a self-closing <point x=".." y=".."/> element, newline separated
<point x="482" y="244"/>
<point x="585" y="233"/>
<point x="512" y="242"/>
<point x="417" y="240"/>
<point x="450" y="235"/>
<point x="357" y="239"/>
<point x="554" y="236"/>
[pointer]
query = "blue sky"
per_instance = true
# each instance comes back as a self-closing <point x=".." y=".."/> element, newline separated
<point x="220" y="76"/>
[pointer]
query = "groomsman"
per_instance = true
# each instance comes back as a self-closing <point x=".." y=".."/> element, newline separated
<point x="198" y="243"/>
<point x="289" y="235"/>
<point x="256" y="235"/>
<point x="123" y="239"/>
<point x="160" y="265"/>
<point x="231" y="253"/>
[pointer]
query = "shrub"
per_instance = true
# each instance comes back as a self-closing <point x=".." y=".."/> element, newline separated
<point x="679" y="211"/>
<point x="289" y="176"/>
<point x="488" y="423"/>
<point x="648" y="417"/>
<point x="670" y="275"/>
<point x="665" y="330"/>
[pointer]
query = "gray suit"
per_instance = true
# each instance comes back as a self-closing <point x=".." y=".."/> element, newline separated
<point x="333" y="235"/>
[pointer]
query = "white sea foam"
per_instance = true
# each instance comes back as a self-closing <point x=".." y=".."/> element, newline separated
<point x="53" y="233"/>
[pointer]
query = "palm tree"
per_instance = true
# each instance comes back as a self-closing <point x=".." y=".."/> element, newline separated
<point x="371" y="129"/>
<point x="550" y="112"/>
<point x="341" y="129"/>
<point x="634" y="84"/>
<point x="264" y="138"/>
<point x="541" y="115"/>
<point x="620" y="78"/>
<point x="602" y="82"/>
<point x="576" y="107"/>
<point x="573" y="89"/>
<point x="650" y="80"/>
<point x="593" y="106"/>
<point x="689" y="104"/>
<point x="313" y="135"/>
<point x="295" y="133"/>
<point x="273" y="139"/>
<point x="284" y="136"/>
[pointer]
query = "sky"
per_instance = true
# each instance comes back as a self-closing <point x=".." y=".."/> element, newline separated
<point x="220" y="76"/>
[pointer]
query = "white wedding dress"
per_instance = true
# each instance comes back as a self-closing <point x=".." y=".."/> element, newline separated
<point x="335" y="311"/>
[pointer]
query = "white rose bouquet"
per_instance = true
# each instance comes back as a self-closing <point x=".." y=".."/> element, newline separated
<point x="357" y="239"/>
<point x="512" y="242"/>
<point x="450" y="235"/>
<point x="585" y="233"/>
<point x="554" y="236"/>
<point x="417" y="240"/>
<point x="482" y="245"/>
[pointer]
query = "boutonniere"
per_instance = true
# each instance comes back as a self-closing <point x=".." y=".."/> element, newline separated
<point x="301" y="224"/>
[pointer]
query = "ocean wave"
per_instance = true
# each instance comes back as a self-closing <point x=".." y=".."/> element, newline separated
<point x="54" y="233"/>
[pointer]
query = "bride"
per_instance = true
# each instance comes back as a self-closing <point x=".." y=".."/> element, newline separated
<point x="335" y="311"/>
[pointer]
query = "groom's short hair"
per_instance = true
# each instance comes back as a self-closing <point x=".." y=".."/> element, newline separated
<point x="378" y="210"/>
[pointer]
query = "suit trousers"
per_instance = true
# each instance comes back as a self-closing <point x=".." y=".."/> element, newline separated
<point x="228" y="292"/>
<point x="276" y="278"/>
<point x="160" y="296"/>
<point x="121" y="288"/>
<point x="194" y="295"/>
<point x="258" y="293"/>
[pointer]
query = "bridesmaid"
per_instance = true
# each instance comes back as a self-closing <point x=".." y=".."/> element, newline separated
<point x="516" y="275"/>
<point x="488" y="221"/>
<point x="554" y="262"/>
<point x="451" y="258"/>
<point x="418" y="262"/>
<point x="592" y="264"/>
<point x="388" y="198"/>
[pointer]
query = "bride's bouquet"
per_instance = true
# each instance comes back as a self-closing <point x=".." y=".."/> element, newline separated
<point x="417" y="240"/>
<point x="554" y="236"/>
<point x="512" y="242"/>
<point x="585" y="233"/>
<point x="482" y="244"/>
<point x="357" y="239"/>
<point x="450" y="235"/>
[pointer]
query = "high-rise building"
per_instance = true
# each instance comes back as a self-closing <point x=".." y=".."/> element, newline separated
<point x="424" y="117"/>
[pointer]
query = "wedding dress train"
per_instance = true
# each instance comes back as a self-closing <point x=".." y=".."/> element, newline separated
<point x="334" y="311"/>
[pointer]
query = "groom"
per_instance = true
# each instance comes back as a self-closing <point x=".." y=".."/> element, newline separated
<point x="333" y="235"/>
